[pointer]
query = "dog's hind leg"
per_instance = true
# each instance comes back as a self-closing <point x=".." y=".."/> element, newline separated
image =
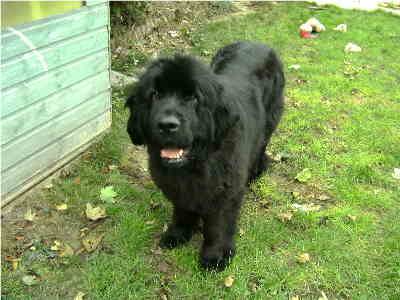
<point x="181" y="229"/>
<point x="260" y="166"/>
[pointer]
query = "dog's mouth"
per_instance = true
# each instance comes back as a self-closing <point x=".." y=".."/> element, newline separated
<point x="174" y="156"/>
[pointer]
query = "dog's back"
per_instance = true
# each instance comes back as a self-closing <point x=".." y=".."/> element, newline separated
<point x="261" y="63"/>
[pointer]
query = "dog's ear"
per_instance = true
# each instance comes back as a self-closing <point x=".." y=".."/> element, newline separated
<point x="135" y="122"/>
<point x="223" y="117"/>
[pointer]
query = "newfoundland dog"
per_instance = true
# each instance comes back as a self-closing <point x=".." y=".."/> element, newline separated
<point x="206" y="129"/>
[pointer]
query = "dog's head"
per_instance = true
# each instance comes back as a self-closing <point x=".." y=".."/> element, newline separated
<point x="177" y="111"/>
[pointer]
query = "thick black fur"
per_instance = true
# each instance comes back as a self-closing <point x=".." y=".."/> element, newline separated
<point x="224" y="116"/>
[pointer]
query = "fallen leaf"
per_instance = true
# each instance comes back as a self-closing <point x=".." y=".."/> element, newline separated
<point x="163" y="297"/>
<point x="157" y="251"/>
<point x="95" y="213"/>
<point x="323" y="197"/>
<point x="56" y="246"/>
<point x="165" y="227"/>
<point x="173" y="33"/>
<point x="29" y="280"/>
<point x="396" y="173"/>
<point x="19" y="238"/>
<point x="48" y="186"/>
<point x="228" y="281"/>
<point x="285" y="216"/>
<point x="79" y="296"/>
<point x="154" y="204"/>
<point x="108" y="194"/>
<point x="341" y="28"/>
<point x="29" y="216"/>
<point x="112" y="167"/>
<point x="296" y="195"/>
<point x="295" y="298"/>
<point x="304" y="175"/>
<point x="77" y="180"/>
<point x="63" y="206"/>
<point x="350" y="47"/>
<point x="306" y="207"/>
<point x="66" y="251"/>
<point x="150" y="222"/>
<point x="294" y="67"/>
<point x="303" y="258"/>
<point x="92" y="242"/>
<point x="353" y="218"/>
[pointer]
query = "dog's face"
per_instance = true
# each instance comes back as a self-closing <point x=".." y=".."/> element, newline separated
<point x="174" y="110"/>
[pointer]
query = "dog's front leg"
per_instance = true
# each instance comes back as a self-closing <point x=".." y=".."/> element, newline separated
<point x="181" y="229"/>
<point x="219" y="244"/>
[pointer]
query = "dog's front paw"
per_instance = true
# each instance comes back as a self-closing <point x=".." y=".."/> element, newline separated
<point x="215" y="261"/>
<point x="174" y="237"/>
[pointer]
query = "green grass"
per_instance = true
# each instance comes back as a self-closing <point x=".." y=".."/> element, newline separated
<point x="341" y="121"/>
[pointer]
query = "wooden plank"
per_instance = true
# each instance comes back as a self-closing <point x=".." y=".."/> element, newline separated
<point x="20" y="39"/>
<point x="31" y="171"/>
<point x="41" y="137"/>
<point x="35" y="115"/>
<point x="28" y="92"/>
<point x="35" y="63"/>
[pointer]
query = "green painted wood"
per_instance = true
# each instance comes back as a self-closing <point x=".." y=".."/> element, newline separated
<point x="43" y="111"/>
<point x="32" y="170"/>
<point x="46" y="31"/>
<point x="55" y="55"/>
<point x="28" y="92"/>
<point x="95" y="2"/>
<point x="45" y="135"/>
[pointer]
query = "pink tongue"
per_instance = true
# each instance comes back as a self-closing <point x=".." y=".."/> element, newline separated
<point x="170" y="153"/>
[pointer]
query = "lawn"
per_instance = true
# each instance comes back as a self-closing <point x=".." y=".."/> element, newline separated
<point x="322" y="223"/>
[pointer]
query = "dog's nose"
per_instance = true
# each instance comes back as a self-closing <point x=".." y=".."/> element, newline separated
<point x="169" y="124"/>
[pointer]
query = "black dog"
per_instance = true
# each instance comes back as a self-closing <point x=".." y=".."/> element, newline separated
<point x="206" y="130"/>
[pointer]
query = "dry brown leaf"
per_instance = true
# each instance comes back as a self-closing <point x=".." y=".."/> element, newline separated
<point x="95" y="213"/>
<point x="62" y="206"/>
<point x="303" y="258"/>
<point x="92" y="242"/>
<point x="228" y="281"/>
<point x="353" y="218"/>
<point x="285" y="216"/>
<point x="77" y="180"/>
<point x="19" y="238"/>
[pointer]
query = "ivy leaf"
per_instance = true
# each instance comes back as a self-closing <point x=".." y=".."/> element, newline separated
<point x="108" y="194"/>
